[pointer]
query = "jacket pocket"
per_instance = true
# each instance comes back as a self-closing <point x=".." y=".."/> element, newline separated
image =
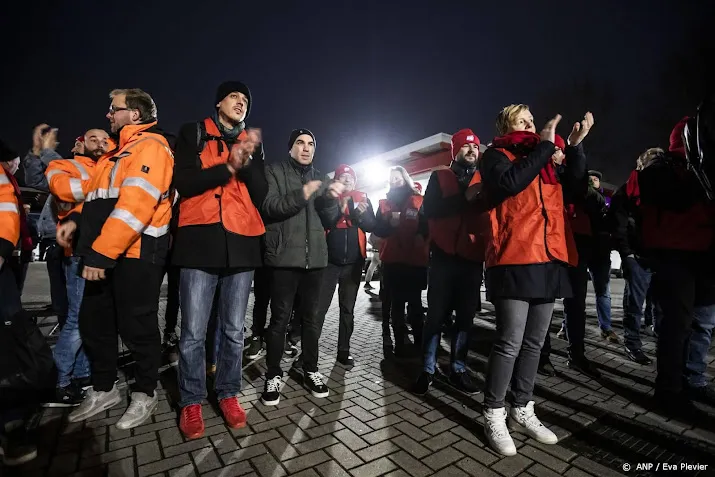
<point x="274" y="242"/>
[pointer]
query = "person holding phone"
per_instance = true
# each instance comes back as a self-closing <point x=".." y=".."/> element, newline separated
<point x="347" y="250"/>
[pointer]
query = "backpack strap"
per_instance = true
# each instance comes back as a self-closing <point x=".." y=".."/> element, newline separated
<point x="202" y="136"/>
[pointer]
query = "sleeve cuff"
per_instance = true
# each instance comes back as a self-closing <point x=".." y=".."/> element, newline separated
<point x="73" y="217"/>
<point x="97" y="260"/>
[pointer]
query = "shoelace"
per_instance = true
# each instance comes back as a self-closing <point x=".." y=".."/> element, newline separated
<point x="231" y="405"/>
<point x="273" y="385"/>
<point x="317" y="378"/>
<point x="191" y="414"/>
<point x="529" y="419"/>
<point x="498" y="429"/>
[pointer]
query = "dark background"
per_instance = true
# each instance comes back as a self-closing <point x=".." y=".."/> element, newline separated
<point x="365" y="77"/>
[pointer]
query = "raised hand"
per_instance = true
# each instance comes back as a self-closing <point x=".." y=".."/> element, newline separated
<point x="549" y="131"/>
<point x="335" y="189"/>
<point x="242" y="150"/>
<point x="581" y="130"/>
<point x="310" y="188"/>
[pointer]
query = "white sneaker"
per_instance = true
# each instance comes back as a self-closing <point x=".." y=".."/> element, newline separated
<point x="140" y="409"/>
<point x="523" y="419"/>
<point x="497" y="432"/>
<point x="94" y="403"/>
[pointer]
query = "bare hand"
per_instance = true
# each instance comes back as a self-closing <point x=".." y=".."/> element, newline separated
<point x="580" y="130"/>
<point x="242" y="150"/>
<point x="335" y="189"/>
<point x="549" y="131"/>
<point x="361" y="208"/>
<point x="93" y="274"/>
<point x="311" y="188"/>
<point x="37" y="138"/>
<point x="49" y="140"/>
<point x="65" y="234"/>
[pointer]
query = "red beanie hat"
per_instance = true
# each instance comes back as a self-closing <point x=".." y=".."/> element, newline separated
<point x="345" y="169"/>
<point x="676" y="138"/>
<point x="559" y="142"/>
<point x="462" y="137"/>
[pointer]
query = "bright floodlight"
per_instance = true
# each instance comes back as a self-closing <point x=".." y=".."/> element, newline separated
<point x="375" y="172"/>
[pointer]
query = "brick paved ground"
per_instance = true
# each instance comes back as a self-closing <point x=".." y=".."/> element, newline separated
<point x="371" y="425"/>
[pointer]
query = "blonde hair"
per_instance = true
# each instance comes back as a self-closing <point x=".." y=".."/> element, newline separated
<point x="408" y="180"/>
<point x="648" y="156"/>
<point x="139" y="100"/>
<point x="507" y="117"/>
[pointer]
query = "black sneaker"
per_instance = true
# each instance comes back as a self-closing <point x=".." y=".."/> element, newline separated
<point x="16" y="448"/>
<point x="254" y="348"/>
<point x="584" y="366"/>
<point x="704" y="394"/>
<point x="464" y="382"/>
<point x="638" y="356"/>
<point x="346" y="360"/>
<point x="272" y="391"/>
<point x="315" y="383"/>
<point x="675" y="405"/>
<point x="69" y="396"/>
<point x="546" y="368"/>
<point x="290" y="350"/>
<point x="423" y="383"/>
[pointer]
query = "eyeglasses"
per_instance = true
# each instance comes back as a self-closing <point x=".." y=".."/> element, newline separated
<point x="113" y="110"/>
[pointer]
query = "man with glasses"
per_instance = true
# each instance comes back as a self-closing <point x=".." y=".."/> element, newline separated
<point x="123" y="243"/>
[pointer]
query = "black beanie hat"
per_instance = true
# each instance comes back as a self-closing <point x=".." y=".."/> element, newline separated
<point x="297" y="132"/>
<point x="6" y="153"/>
<point x="229" y="87"/>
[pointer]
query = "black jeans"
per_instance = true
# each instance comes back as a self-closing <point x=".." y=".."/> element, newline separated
<point x="347" y="279"/>
<point x="125" y="304"/>
<point x="262" y="296"/>
<point x="286" y="283"/>
<point x="680" y="284"/>
<point x="404" y="286"/>
<point x="58" y="284"/>
<point x="172" y="300"/>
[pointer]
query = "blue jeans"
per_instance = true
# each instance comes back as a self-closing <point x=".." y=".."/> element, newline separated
<point x="70" y="357"/>
<point x="600" y="270"/>
<point x="198" y="288"/>
<point x="637" y="276"/>
<point x="700" y="338"/>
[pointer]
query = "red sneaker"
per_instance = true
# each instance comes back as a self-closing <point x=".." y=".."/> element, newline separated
<point x="191" y="422"/>
<point x="233" y="412"/>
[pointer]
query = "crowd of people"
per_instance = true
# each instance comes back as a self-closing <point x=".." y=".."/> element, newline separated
<point x="526" y="217"/>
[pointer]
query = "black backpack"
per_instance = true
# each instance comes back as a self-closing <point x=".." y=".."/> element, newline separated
<point x="27" y="367"/>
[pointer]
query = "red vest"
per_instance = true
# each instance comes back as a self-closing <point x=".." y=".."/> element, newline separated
<point x="691" y="230"/>
<point x="229" y="205"/>
<point x="404" y="245"/>
<point x="461" y="234"/>
<point x="530" y="227"/>
<point x="345" y="222"/>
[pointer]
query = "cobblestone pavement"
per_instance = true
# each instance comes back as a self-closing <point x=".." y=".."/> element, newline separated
<point x="371" y="424"/>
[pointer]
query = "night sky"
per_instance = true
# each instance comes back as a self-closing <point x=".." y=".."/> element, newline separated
<point x="363" y="76"/>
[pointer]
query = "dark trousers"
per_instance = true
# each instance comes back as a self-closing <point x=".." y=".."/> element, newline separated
<point x="454" y="285"/>
<point x="681" y="285"/>
<point x="125" y="304"/>
<point x="262" y="296"/>
<point x="286" y="283"/>
<point x="403" y="283"/>
<point x="58" y="284"/>
<point x="347" y="279"/>
<point x="172" y="300"/>
<point x="637" y="274"/>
